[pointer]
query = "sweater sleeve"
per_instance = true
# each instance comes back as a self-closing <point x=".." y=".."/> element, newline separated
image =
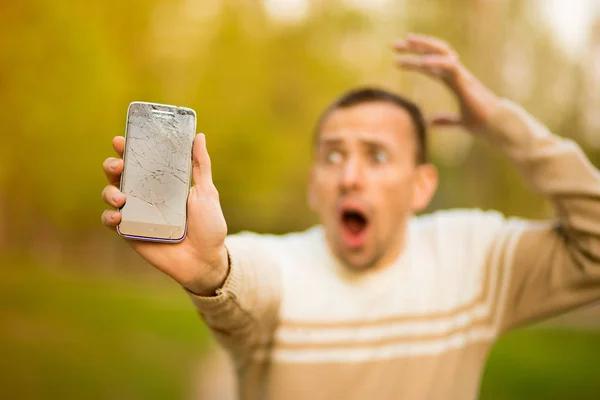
<point x="243" y="313"/>
<point x="551" y="266"/>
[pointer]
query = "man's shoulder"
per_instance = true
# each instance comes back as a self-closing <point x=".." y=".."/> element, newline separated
<point x="459" y="217"/>
<point x="460" y="227"/>
<point x="459" y="240"/>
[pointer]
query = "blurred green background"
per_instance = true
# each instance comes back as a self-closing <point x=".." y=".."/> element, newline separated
<point x="81" y="316"/>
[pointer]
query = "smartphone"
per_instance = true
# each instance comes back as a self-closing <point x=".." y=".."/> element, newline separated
<point x="157" y="171"/>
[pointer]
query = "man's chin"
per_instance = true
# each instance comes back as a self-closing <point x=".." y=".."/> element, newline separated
<point x="353" y="256"/>
<point x="357" y="259"/>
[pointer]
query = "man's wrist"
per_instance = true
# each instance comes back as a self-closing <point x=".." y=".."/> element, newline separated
<point x="213" y="276"/>
<point x="475" y="97"/>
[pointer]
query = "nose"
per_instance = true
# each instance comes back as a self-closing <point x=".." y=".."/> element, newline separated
<point x="351" y="177"/>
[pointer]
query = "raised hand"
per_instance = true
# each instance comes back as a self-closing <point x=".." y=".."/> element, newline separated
<point x="199" y="262"/>
<point x="437" y="59"/>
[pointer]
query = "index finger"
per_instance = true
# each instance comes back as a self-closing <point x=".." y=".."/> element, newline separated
<point x="423" y="45"/>
<point x="118" y="143"/>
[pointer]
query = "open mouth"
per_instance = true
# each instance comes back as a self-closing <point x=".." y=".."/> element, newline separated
<point x="354" y="223"/>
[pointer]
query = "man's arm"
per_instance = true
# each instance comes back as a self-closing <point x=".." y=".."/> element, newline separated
<point x="551" y="266"/>
<point x="243" y="314"/>
<point x="233" y="284"/>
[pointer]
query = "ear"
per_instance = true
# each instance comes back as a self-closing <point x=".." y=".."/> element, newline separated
<point x="426" y="182"/>
<point x="311" y="195"/>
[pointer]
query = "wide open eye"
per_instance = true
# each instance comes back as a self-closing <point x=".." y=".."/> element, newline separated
<point x="379" y="157"/>
<point x="334" y="157"/>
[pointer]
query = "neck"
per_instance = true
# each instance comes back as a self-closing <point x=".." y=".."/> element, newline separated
<point x="394" y="250"/>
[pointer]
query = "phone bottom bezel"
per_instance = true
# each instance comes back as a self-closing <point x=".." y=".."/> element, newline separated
<point x="146" y="229"/>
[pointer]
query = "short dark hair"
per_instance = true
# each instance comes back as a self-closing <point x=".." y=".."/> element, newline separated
<point x="371" y="94"/>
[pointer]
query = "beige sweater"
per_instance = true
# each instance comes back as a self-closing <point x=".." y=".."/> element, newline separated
<point x="300" y="326"/>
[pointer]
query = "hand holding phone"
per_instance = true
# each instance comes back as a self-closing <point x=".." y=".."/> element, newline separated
<point x="199" y="261"/>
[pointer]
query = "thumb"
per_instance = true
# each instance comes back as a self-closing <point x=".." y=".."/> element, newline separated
<point x="201" y="171"/>
<point x="446" y="119"/>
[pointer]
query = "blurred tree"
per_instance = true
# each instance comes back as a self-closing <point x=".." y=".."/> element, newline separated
<point x="258" y="83"/>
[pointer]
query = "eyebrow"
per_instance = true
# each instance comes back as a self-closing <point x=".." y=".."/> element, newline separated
<point x="364" y="142"/>
<point x="330" y="141"/>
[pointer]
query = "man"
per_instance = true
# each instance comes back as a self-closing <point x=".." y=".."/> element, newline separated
<point x="375" y="302"/>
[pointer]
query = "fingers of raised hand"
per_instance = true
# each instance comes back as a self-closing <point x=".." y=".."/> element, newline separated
<point x="421" y="44"/>
<point x="433" y="64"/>
<point x="445" y="119"/>
<point x="113" y="197"/>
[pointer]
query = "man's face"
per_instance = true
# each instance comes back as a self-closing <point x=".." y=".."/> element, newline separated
<point x="364" y="180"/>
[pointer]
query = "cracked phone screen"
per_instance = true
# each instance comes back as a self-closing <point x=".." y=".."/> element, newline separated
<point x="157" y="164"/>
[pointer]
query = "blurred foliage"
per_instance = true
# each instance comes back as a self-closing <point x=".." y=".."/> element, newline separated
<point x="68" y="71"/>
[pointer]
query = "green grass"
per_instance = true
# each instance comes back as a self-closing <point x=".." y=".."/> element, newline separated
<point x="71" y="335"/>
<point x="544" y="364"/>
